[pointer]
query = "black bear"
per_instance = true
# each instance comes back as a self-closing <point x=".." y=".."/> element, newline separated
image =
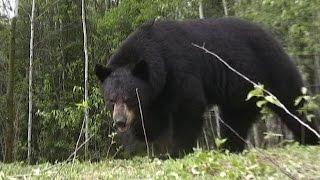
<point x="176" y="81"/>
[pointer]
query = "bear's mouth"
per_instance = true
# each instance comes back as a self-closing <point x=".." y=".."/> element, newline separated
<point x="123" y="127"/>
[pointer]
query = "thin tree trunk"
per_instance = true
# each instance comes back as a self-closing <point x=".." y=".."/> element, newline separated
<point x="205" y="138"/>
<point x="201" y="15"/>
<point x="317" y="73"/>
<point x="30" y="81"/>
<point x="317" y="84"/>
<point x="9" y="125"/>
<point x="17" y="128"/>
<point x="210" y="123"/>
<point x="255" y="134"/>
<point x="225" y="7"/>
<point x="108" y="4"/>
<point x="217" y="116"/>
<point x="316" y="36"/>
<point x="85" y="49"/>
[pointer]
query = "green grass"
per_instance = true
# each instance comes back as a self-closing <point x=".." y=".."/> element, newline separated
<point x="301" y="162"/>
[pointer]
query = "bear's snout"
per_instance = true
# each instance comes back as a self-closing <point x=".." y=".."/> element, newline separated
<point x="119" y="122"/>
<point x="122" y="117"/>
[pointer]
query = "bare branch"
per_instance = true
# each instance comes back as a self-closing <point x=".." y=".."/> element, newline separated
<point x="272" y="161"/>
<point x="144" y="130"/>
<point x="71" y="155"/>
<point x="77" y="144"/>
<point x="58" y="164"/>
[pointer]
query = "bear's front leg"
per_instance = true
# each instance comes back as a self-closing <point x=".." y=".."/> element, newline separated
<point x="187" y="125"/>
<point x="189" y="104"/>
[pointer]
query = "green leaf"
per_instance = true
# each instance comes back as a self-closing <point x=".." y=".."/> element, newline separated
<point x="219" y="142"/>
<point x="261" y="103"/>
<point x="273" y="100"/>
<point x="310" y="117"/>
<point x="312" y="106"/>
<point x="304" y="90"/>
<point x="298" y="100"/>
<point x="84" y="104"/>
<point x="256" y="92"/>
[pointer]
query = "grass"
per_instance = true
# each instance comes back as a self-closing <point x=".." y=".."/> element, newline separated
<point x="301" y="162"/>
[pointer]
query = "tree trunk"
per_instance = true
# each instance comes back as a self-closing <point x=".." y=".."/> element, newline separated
<point x="317" y="85"/>
<point x="30" y="81"/>
<point x="108" y="4"/>
<point x="317" y="74"/>
<point x="217" y="116"/>
<point x="201" y="15"/>
<point x="9" y="125"/>
<point x="85" y="49"/>
<point x="255" y="134"/>
<point x="225" y="7"/>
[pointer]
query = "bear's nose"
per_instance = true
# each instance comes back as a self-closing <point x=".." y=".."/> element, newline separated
<point x="119" y="122"/>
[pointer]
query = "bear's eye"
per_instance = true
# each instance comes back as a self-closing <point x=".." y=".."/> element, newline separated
<point x="110" y="104"/>
<point x="112" y="101"/>
<point x="130" y="101"/>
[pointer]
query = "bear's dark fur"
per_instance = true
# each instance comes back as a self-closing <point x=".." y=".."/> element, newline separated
<point x="177" y="81"/>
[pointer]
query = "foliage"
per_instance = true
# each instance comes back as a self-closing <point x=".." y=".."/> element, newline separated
<point x="58" y="64"/>
<point x="263" y="98"/>
<point x="117" y="23"/>
<point x="311" y="104"/>
<point x="296" y="23"/>
<point x="298" y="161"/>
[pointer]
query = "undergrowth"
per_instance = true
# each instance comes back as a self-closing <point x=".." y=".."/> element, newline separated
<point x="302" y="162"/>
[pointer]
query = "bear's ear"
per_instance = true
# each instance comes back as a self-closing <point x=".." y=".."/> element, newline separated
<point x="102" y="72"/>
<point x="141" y="70"/>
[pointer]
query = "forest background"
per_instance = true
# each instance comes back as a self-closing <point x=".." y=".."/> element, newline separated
<point x="59" y="68"/>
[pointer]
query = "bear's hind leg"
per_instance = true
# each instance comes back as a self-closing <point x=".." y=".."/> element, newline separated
<point x="301" y="133"/>
<point x="240" y="120"/>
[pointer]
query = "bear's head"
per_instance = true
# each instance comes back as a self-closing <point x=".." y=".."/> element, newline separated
<point x="121" y="87"/>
